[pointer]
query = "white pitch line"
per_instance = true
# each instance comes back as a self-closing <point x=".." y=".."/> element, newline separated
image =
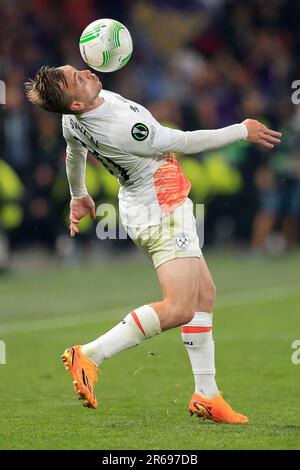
<point x="240" y="298"/>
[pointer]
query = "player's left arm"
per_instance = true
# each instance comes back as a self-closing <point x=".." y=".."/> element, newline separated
<point x="191" y="142"/>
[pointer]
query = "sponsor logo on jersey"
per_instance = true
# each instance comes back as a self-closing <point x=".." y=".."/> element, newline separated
<point x="139" y="131"/>
<point x="183" y="242"/>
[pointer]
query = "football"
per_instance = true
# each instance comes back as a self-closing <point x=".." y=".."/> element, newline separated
<point x="105" y="45"/>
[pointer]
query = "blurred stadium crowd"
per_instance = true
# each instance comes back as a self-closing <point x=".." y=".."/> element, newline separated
<point x="196" y="64"/>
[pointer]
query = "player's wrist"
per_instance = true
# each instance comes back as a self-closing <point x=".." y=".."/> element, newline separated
<point x="244" y="130"/>
<point x="79" y="197"/>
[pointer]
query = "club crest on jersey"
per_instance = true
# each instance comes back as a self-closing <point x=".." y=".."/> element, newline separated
<point x="139" y="131"/>
<point x="183" y="241"/>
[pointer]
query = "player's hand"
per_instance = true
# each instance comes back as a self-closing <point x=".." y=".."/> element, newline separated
<point x="79" y="208"/>
<point x="258" y="133"/>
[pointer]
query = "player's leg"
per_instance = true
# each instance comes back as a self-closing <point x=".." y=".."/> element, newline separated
<point x="179" y="289"/>
<point x="178" y="279"/>
<point x="83" y="360"/>
<point x="197" y="336"/>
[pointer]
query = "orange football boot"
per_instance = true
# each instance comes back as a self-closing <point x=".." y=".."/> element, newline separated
<point x="84" y="374"/>
<point x="216" y="409"/>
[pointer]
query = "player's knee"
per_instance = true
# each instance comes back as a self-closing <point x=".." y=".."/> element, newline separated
<point x="181" y="312"/>
<point x="207" y="298"/>
<point x="188" y="315"/>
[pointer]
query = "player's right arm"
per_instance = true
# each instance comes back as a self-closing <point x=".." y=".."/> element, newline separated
<point x="192" y="142"/>
<point x="81" y="202"/>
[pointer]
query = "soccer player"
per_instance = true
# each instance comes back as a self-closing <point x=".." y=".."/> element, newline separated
<point x="156" y="212"/>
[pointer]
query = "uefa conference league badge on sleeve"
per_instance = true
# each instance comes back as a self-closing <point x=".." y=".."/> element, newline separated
<point x="139" y="131"/>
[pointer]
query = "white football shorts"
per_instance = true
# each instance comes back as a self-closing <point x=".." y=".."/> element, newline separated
<point x="175" y="237"/>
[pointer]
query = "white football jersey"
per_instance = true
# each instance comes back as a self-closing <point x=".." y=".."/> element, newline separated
<point x="132" y="145"/>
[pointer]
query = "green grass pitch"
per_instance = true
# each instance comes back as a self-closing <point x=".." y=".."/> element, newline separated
<point x="143" y="397"/>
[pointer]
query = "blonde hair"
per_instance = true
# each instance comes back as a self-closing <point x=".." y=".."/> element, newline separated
<point x="46" y="90"/>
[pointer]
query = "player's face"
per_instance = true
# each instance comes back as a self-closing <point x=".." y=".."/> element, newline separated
<point x="83" y="86"/>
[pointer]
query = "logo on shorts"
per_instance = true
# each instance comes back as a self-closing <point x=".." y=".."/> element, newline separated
<point x="139" y="131"/>
<point x="183" y="241"/>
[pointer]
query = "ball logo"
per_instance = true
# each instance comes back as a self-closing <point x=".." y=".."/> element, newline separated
<point x="183" y="242"/>
<point x="139" y="131"/>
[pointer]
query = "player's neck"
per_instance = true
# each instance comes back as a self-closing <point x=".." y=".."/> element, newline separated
<point x="95" y="104"/>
